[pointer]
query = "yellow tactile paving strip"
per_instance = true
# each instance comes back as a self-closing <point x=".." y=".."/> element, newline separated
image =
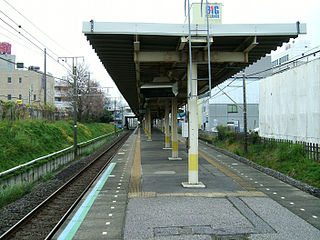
<point x="228" y="173"/>
<point x="215" y="194"/>
<point x="135" y="180"/>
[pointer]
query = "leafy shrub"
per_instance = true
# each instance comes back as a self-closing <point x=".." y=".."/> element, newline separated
<point x="288" y="152"/>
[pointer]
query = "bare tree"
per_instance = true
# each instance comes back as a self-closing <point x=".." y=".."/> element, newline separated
<point x="90" y="97"/>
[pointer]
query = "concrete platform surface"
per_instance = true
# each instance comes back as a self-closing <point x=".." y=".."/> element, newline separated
<point x="142" y="198"/>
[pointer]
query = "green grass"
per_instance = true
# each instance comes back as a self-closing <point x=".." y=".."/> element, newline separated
<point x="14" y="192"/>
<point x="289" y="159"/>
<point x="22" y="141"/>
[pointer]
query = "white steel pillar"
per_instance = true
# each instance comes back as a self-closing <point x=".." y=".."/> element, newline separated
<point x="166" y="126"/>
<point x="193" y="165"/>
<point x="149" y="121"/>
<point x="174" y="130"/>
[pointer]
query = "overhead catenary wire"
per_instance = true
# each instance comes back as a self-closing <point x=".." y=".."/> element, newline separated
<point x="256" y="74"/>
<point x="35" y="26"/>
<point x="30" y="41"/>
<point x="15" y="40"/>
<point x="9" y="61"/>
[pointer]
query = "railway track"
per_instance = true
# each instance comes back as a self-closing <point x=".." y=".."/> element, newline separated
<point x="44" y="220"/>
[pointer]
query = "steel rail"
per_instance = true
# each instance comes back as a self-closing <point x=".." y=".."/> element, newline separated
<point x="21" y="222"/>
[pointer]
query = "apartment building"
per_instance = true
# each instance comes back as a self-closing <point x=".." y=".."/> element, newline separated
<point x="25" y="85"/>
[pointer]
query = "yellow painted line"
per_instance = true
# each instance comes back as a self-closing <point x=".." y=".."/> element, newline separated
<point x="193" y="162"/>
<point x="135" y="180"/>
<point x="212" y="194"/>
<point x="228" y="173"/>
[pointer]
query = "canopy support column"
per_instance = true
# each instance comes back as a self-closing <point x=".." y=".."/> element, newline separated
<point x="174" y="130"/>
<point x="193" y="165"/>
<point x="166" y="127"/>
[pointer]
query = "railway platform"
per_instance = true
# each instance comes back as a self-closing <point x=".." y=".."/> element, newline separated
<point x="140" y="196"/>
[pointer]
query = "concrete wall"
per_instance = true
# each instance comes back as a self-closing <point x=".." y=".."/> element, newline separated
<point x="290" y="104"/>
<point x="33" y="174"/>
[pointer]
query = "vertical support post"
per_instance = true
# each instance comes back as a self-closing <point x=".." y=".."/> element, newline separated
<point x="45" y="76"/>
<point x="174" y="130"/>
<point x="166" y="127"/>
<point x="149" y="125"/>
<point x="245" y="140"/>
<point x="193" y="167"/>
<point x="75" y="100"/>
<point x="114" y="117"/>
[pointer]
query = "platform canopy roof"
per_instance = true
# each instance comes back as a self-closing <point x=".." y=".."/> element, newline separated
<point x="148" y="61"/>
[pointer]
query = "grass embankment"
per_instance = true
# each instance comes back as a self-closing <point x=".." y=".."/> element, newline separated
<point x="289" y="159"/>
<point x="22" y="141"/>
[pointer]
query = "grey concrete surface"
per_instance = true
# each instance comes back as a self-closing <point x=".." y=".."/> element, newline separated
<point x="225" y="209"/>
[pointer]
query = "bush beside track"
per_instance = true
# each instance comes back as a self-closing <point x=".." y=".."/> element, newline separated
<point x="289" y="159"/>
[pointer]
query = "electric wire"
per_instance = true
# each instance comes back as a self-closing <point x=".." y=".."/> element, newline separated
<point x="34" y="44"/>
<point x="15" y="40"/>
<point x="35" y="26"/>
<point x="9" y="61"/>
<point x="256" y="74"/>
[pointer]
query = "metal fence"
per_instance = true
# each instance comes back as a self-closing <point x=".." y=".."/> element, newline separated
<point x="312" y="149"/>
<point x="12" y="111"/>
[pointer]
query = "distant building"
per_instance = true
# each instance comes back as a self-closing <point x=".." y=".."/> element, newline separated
<point x="61" y="94"/>
<point x="293" y="49"/>
<point x="7" y="62"/>
<point x="25" y="85"/>
<point x="221" y="110"/>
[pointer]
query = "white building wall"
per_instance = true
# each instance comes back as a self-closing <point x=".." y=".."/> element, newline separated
<point x="290" y="104"/>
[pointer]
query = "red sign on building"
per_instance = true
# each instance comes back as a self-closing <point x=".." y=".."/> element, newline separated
<point x="5" y="48"/>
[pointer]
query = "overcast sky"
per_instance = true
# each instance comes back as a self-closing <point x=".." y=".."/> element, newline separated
<point x="62" y="21"/>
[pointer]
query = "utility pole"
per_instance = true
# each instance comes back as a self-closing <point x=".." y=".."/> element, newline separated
<point x="75" y="100"/>
<point x="114" y="116"/>
<point x="45" y="76"/>
<point x="245" y="142"/>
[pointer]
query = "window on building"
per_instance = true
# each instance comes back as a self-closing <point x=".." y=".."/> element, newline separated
<point x="20" y="97"/>
<point x="20" y="79"/>
<point x="232" y="109"/>
<point x="9" y="80"/>
<point x="9" y="97"/>
<point x="275" y="63"/>
<point x="284" y="59"/>
<point x="58" y="99"/>
<point x="34" y="97"/>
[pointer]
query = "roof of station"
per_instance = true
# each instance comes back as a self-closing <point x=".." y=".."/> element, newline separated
<point x="139" y="56"/>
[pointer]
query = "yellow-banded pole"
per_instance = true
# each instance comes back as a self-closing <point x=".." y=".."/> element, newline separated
<point x="149" y="124"/>
<point x="166" y="126"/>
<point x="193" y="169"/>
<point x="174" y="130"/>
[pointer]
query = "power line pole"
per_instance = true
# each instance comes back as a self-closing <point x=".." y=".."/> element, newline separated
<point x="245" y="142"/>
<point x="114" y="116"/>
<point x="45" y="76"/>
<point x="75" y="100"/>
